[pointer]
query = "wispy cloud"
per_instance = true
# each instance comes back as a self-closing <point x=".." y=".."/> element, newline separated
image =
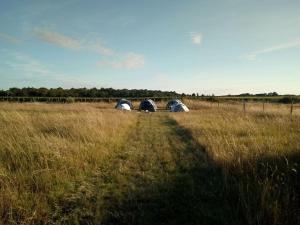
<point x="9" y="38"/>
<point x="32" y="69"/>
<point x="253" y="55"/>
<point x="111" y="59"/>
<point x="65" y="41"/>
<point x="128" y="61"/>
<point x="57" y="39"/>
<point x="21" y="62"/>
<point x="196" y="38"/>
<point x="100" y="48"/>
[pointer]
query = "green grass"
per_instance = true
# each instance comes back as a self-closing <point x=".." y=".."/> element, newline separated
<point x="90" y="164"/>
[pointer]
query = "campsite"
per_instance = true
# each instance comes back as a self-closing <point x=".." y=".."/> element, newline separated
<point x="148" y="105"/>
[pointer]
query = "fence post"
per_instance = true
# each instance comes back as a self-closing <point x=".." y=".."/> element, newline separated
<point x="263" y="106"/>
<point x="218" y="104"/>
<point x="244" y="107"/>
<point x="292" y="107"/>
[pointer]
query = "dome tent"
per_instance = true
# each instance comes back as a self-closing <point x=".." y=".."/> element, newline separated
<point x="172" y="102"/>
<point x="179" y="108"/>
<point x="123" y="106"/>
<point x="124" y="101"/>
<point x="148" y="105"/>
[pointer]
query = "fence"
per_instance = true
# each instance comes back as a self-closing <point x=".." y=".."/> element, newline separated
<point x="246" y="106"/>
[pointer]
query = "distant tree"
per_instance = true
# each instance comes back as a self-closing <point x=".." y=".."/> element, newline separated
<point x="70" y="100"/>
<point x="245" y="94"/>
<point x="273" y="94"/>
<point x="43" y="91"/>
<point x="261" y="94"/>
<point x="3" y="93"/>
<point x="85" y="92"/>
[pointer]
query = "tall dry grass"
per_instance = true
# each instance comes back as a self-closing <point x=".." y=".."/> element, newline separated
<point x="51" y="156"/>
<point x="259" y="154"/>
<point x="87" y="163"/>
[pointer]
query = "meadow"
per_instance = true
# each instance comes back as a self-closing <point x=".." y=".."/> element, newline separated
<point x="87" y="163"/>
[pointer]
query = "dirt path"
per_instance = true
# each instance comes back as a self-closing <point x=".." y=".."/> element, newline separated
<point x="162" y="176"/>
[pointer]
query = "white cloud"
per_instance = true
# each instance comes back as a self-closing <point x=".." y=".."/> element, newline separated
<point x="112" y="59"/>
<point x="128" y="61"/>
<point x="253" y="55"/>
<point x="57" y="39"/>
<point x="71" y="43"/>
<point x="196" y="38"/>
<point x="100" y="48"/>
<point x="9" y="38"/>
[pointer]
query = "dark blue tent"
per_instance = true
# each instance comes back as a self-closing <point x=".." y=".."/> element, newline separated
<point x="148" y="105"/>
<point x="172" y="102"/>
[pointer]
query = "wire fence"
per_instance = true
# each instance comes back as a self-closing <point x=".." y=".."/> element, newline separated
<point x="194" y="104"/>
<point x="247" y="106"/>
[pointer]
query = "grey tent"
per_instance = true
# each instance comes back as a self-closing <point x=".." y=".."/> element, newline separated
<point x="148" y="105"/>
<point x="124" y="101"/>
<point x="179" y="108"/>
<point x="172" y="102"/>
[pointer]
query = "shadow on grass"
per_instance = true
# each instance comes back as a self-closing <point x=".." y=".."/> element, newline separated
<point x="264" y="191"/>
<point x="194" y="193"/>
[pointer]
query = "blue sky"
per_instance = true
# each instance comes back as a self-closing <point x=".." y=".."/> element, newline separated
<point x="211" y="47"/>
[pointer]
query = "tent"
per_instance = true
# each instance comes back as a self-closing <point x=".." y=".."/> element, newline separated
<point x="172" y="102"/>
<point x="148" y="105"/>
<point x="124" y="101"/>
<point x="123" y="106"/>
<point x="179" y="108"/>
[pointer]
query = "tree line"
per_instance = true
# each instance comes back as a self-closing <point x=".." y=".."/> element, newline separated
<point x="85" y="92"/>
<point x="138" y="93"/>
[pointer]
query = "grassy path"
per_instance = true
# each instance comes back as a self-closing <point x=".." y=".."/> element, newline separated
<point x="162" y="176"/>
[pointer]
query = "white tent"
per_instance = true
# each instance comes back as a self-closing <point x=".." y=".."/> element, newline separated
<point x="123" y="106"/>
<point x="124" y="101"/>
<point x="179" y="108"/>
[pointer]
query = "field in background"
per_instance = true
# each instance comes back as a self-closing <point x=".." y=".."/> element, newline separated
<point x="246" y="107"/>
<point x="86" y="163"/>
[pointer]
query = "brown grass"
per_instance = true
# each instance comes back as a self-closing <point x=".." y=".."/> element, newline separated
<point x="259" y="154"/>
<point x="49" y="152"/>
<point x="87" y="163"/>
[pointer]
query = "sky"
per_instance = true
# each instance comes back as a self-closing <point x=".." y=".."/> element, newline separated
<point x="193" y="46"/>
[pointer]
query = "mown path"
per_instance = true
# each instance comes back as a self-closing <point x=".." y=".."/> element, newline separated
<point x="162" y="176"/>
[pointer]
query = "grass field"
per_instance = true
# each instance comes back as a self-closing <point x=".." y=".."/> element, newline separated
<point x="86" y="163"/>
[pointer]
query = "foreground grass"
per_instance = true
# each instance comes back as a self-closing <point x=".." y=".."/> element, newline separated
<point x="50" y="157"/>
<point x="88" y="164"/>
<point x="259" y="155"/>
